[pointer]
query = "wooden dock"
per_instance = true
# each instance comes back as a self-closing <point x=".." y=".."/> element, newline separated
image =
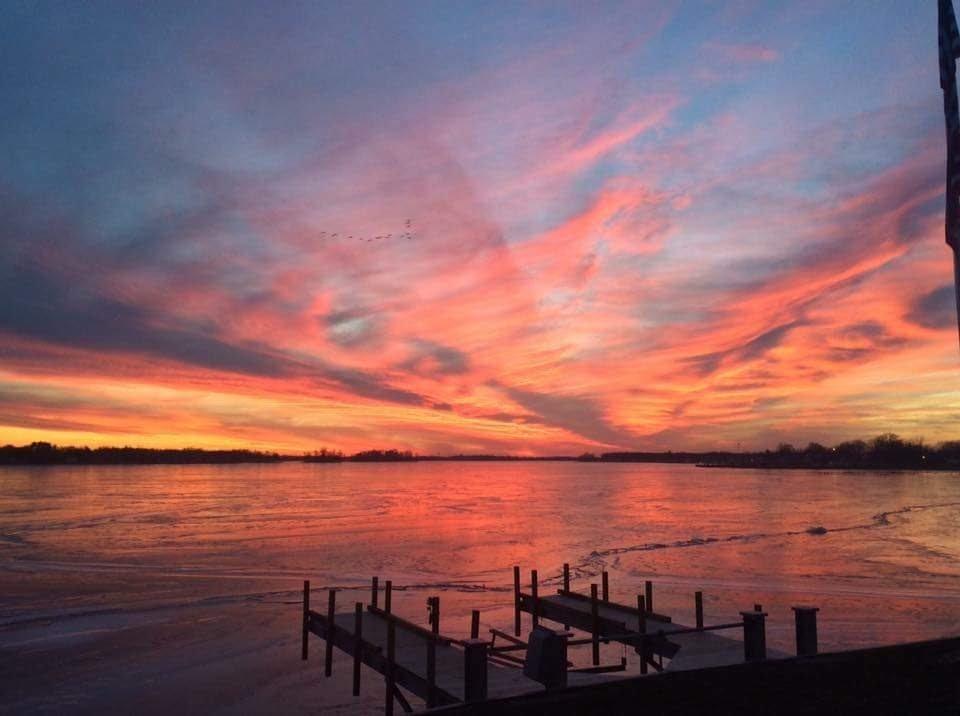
<point x="651" y="633"/>
<point x="443" y="671"/>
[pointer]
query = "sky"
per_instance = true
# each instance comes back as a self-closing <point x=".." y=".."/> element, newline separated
<point x="531" y="228"/>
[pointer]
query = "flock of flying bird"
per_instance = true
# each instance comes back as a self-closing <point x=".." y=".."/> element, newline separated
<point x="407" y="234"/>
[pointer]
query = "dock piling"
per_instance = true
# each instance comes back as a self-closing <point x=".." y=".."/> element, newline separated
<point x="642" y="629"/>
<point x="306" y="619"/>
<point x="595" y="624"/>
<point x="516" y="600"/>
<point x="391" y="655"/>
<point x="648" y="590"/>
<point x="605" y="586"/>
<point x="475" y="624"/>
<point x="806" y="623"/>
<point x="387" y="596"/>
<point x="754" y="635"/>
<point x="431" y="673"/>
<point x="566" y="577"/>
<point x="331" y="627"/>
<point x="474" y="670"/>
<point x="698" y="604"/>
<point x="433" y="606"/>
<point x="536" y="598"/>
<point x="374" y="591"/>
<point x="358" y="646"/>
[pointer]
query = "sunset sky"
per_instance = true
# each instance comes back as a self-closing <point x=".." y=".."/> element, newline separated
<point x="651" y="225"/>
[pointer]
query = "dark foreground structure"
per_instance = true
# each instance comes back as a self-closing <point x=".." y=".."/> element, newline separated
<point x="683" y="669"/>
<point x="919" y="678"/>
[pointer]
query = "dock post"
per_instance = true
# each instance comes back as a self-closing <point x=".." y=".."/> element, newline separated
<point x="331" y="626"/>
<point x="535" y="596"/>
<point x="516" y="600"/>
<point x="306" y="619"/>
<point x="642" y="628"/>
<point x="754" y="635"/>
<point x="605" y="586"/>
<point x="387" y="595"/>
<point x="474" y="670"/>
<point x="475" y="624"/>
<point x="595" y="624"/>
<point x="391" y="655"/>
<point x="806" y="618"/>
<point x="431" y="673"/>
<point x="433" y="604"/>
<point x="357" y="646"/>
<point x="374" y="591"/>
<point x="648" y="590"/>
<point x="566" y="577"/>
<point x="698" y="603"/>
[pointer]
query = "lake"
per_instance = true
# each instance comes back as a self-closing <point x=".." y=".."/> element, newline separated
<point x="91" y="555"/>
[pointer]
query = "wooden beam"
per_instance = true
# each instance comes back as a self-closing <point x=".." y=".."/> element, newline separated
<point x="516" y="600"/>
<point x="389" y="673"/>
<point x="306" y="619"/>
<point x="358" y="648"/>
<point x="595" y="624"/>
<point x="331" y="611"/>
<point x="631" y="611"/>
<point x="535" y="610"/>
<point x="581" y="619"/>
<point x="373" y="656"/>
<point x="410" y="626"/>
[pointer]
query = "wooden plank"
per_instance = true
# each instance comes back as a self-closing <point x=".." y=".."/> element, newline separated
<point x="410" y="626"/>
<point x="411" y="655"/>
<point x="612" y="620"/>
<point x="373" y="652"/>
<point x="627" y="610"/>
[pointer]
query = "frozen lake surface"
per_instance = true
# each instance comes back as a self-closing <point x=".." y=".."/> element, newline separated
<point x="94" y="561"/>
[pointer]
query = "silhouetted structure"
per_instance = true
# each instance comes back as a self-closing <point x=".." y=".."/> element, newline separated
<point x="949" y="51"/>
<point x="706" y="673"/>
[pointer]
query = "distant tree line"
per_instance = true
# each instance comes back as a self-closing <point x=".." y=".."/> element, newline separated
<point x="42" y="453"/>
<point x="884" y="452"/>
<point x="364" y="456"/>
